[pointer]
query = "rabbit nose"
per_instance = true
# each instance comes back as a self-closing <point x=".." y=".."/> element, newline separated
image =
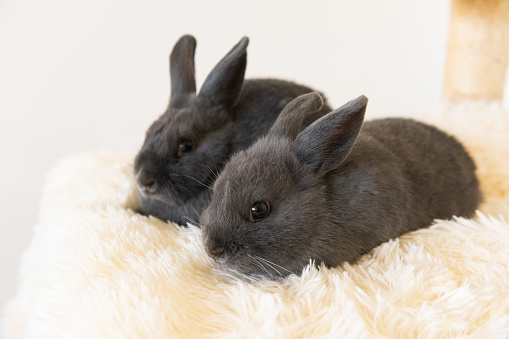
<point x="213" y="248"/>
<point x="147" y="185"/>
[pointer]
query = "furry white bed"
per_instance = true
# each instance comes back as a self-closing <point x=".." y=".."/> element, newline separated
<point x="96" y="269"/>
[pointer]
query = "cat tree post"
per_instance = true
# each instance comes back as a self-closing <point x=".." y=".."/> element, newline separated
<point x="477" y="51"/>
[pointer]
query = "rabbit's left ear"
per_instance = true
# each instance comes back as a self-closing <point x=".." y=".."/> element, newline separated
<point x="291" y="117"/>
<point x="327" y="142"/>
<point x="223" y="84"/>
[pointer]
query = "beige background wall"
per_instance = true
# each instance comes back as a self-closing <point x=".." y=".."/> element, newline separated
<point x="89" y="75"/>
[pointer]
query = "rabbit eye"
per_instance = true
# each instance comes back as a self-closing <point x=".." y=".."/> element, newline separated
<point x="259" y="211"/>
<point x="185" y="146"/>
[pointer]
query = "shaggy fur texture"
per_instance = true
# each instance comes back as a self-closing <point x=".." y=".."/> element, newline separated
<point x="96" y="269"/>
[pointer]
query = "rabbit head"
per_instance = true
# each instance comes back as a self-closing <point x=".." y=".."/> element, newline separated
<point x="268" y="212"/>
<point x="185" y="148"/>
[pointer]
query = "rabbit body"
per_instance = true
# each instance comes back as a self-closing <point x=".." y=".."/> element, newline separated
<point x="334" y="191"/>
<point x="187" y="146"/>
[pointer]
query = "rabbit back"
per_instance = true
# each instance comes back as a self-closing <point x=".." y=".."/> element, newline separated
<point x="440" y="170"/>
<point x="259" y="105"/>
<point x="400" y="175"/>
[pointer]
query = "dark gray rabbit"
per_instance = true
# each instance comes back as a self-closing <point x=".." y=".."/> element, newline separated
<point x="187" y="146"/>
<point x="333" y="191"/>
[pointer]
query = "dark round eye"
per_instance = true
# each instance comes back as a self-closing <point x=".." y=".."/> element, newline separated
<point x="185" y="146"/>
<point x="259" y="211"/>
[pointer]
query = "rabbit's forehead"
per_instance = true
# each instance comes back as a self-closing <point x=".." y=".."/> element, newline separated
<point x="183" y="113"/>
<point x="189" y="120"/>
<point x="181" y="120"/>
<point x="258" y="171"/>
<point x="254" y="175"/>
<point x="175" y="126"/>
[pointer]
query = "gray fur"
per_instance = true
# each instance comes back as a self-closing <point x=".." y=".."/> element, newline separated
<point x="336" y="191"/>
<point x="228" y="115"/>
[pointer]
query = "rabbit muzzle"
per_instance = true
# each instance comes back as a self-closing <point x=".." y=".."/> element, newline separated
<point x="147" y="184"/>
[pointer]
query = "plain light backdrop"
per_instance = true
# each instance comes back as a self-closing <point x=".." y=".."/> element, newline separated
<point x="79" y="76"/>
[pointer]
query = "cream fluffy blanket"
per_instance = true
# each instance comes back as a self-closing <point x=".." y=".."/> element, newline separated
<point x="96" y="269"/>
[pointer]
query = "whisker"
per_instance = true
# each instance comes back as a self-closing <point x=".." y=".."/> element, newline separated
<point x="198" y="181"/>
<point x="190" y="177"/>
<point x="214" y="177"/>
<point x="192" y="220"/>
<point x="259" y="264"/>
<point x="268" y="261"/>
<point x="208" y="175"/>
<point x="274" y="268"/>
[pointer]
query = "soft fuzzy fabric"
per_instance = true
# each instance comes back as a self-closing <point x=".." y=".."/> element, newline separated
<point x="96" y="269"/>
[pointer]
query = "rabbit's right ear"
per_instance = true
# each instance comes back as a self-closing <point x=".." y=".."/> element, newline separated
<point x="326" y="143"/>
<point x="222" y="86"/>
<point x="182" y="66"/>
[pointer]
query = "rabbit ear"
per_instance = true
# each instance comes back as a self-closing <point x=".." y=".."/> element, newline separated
<point x="223" y="84"/>
<point x="290" y="119"/>
<point x="182" y="66"/>
<point x="326" y="143"/>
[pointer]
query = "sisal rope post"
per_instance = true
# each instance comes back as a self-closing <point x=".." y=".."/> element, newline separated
<point x="477" y="51"/>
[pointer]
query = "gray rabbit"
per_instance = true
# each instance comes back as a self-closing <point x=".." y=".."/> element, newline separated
<point x="186" y="148"/>
<point x="334" y="191"/>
